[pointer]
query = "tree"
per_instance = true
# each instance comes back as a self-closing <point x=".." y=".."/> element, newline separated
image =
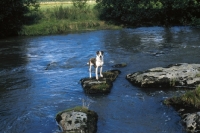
<point x="150" y="12"/>
<point x="12" y="13"/>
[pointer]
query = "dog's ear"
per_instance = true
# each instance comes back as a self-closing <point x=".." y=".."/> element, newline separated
<point x="97" y="52"/>
<point x="102" y="52"/>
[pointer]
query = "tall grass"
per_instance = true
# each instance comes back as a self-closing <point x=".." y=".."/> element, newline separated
<point x="74" y="14"/>
<point x="192" y="97"/>
<point x="189" y="99"/>
<point x="63" y="19"/>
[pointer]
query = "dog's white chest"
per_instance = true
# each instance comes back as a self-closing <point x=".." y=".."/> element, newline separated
<point x="99" y="63"/>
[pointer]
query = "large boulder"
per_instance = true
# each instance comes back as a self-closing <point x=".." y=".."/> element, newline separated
<point x="77" y="120"/>
<point x="178" y="75"/>
<point x="101" y="86"/>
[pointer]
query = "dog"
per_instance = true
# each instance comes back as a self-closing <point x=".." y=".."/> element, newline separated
<point x="96" y="62"/>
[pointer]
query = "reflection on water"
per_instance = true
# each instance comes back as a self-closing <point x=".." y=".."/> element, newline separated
<point x="40" y="76"/>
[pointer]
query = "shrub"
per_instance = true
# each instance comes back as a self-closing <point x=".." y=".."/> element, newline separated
<point x="80" y="3"/>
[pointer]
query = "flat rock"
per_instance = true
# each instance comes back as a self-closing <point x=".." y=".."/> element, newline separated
<point x="77" y="120"/>
<point x="181" y="75"/>
<point x="101" y="86"/>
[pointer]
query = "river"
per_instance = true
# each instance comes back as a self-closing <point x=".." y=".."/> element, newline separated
<point x="39" y="76"/>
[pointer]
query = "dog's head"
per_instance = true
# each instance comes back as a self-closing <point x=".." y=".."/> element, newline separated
<point x="100" y="54"/>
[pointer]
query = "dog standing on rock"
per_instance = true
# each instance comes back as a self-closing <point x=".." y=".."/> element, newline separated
<point x="96" y="62"/>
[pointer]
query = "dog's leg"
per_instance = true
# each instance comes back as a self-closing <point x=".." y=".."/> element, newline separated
<point x="96" y="72"/>
<point x="101" y="71"/>
<point x="90" y="70"/>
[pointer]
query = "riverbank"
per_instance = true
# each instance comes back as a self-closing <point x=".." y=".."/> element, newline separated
<point x="63" y="26"/>
<point x="60" y="18"/>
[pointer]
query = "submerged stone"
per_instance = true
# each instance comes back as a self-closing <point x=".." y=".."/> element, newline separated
<point x="77" y="120"/>
<point x="178" y="75"/>
<point x="51" y="66"/>
<point x="119" y="65"/>
<point x="103" y="85"/>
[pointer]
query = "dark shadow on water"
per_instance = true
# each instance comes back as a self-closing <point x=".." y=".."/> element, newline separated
<point x="13" y="73"/>
<point x="13" y="53"/>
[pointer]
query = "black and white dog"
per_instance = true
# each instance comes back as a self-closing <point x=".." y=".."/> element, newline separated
<point x="96" y="62"/>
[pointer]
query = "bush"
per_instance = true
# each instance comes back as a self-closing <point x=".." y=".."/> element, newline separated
<point x="12" y="15"/>
<point x="80" y="3"/>
<point x="149" y="12"/>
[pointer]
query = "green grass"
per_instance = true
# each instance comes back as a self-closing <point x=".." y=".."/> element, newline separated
<point x="76" y="109"/>
<point x="190" y="99"/>
<point x="44" y="7"/>
<point x="198" y="75"/>
<point x="101" y="86"/>
<point x="63" y="18"/>
<point x="63" y="26"/>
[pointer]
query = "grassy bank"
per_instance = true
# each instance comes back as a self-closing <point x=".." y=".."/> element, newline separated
<point x="62" y="18"/>
<point x="189" y="101"/>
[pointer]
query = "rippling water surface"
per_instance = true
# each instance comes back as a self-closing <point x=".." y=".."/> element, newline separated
<point x="39" y="76"/>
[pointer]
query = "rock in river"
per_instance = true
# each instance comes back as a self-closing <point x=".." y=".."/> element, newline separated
<point x="77" y="120"/>
<point x="192" y="122"/>
<point x="181" y="75"/>
<point x="188" y="106"/>
<point x="103" y="85"/>
<point x="119" y="65"/>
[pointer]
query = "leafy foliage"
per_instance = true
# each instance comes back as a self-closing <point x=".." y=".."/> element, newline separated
<point x="12" y="15"/>
<point x="80" y="3"/>
<point x="150" y="12"/>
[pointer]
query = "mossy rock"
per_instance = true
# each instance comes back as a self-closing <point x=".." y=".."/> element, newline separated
<point x="188" y="106"/>
<point x="77" y="120"/>
<point x="101" y="86"/>
<point x="190" y="101"/>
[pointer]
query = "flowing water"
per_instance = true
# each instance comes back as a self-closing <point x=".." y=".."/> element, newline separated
<point x="39" y="76"/>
